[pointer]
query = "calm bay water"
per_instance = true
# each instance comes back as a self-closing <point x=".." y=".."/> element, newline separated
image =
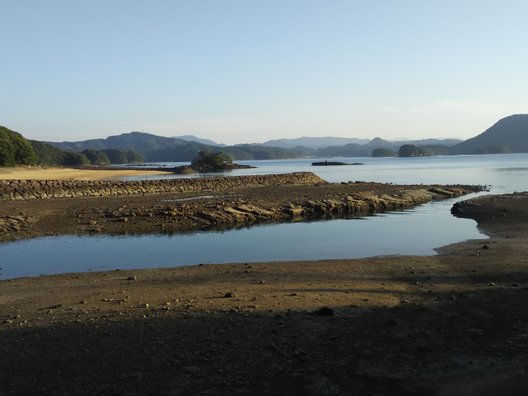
<point x="417" y="231"/>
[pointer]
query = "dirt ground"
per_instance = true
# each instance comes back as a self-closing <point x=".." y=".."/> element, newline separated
<point x="451" y="324"/>
<point x="51" y="173"/>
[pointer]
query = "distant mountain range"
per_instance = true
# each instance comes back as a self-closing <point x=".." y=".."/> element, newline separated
<point x="509" y="134"/>
<point x="185" y="148"/>
<point x="172" y="149"/>
<point x="192" y="138"/>
<point x="365" y="150"/>
<point x="314" y="142"/>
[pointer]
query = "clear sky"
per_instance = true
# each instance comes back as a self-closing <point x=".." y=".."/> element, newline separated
<point x="251" y="70"/>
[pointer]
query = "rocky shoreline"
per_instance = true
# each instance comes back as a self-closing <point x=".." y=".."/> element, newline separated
<point x="32" y="208"/>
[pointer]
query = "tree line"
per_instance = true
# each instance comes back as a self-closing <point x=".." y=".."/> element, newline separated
<point x="17" y="150"/>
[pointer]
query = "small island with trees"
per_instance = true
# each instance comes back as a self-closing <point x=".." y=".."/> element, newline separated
<point x="208" y="162"/>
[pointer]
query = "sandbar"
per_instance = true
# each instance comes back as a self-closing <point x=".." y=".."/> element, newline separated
<point x="56" y="173"/>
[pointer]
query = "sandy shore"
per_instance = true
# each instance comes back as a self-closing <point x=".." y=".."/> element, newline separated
<point x="38" y="173"/>
<point x="450" y="324"/>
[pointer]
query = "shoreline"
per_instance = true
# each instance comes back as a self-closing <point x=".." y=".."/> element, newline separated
<point x="218" y="203"/>
<point x="447" y="324"/>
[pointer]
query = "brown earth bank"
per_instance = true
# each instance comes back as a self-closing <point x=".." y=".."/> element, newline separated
<point x="452" y="324"/>
<point x="171" y="206"/>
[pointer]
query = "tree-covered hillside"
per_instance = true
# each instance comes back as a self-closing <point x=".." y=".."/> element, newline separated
<point x="135" y="141"/>
<point x="165" y="149"/>
<point x="17" y="150"/>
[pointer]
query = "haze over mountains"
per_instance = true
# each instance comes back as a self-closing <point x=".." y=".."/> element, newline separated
<point x="508" y="135"/>
<point x="314" y="142"/>
<point x="158" y="148"/>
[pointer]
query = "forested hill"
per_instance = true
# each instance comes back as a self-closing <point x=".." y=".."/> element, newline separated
<point x="159" y="148"/>
<point x="15" y="150"/>
<point x="140" y="142"/>
<point x="508" y="135"/>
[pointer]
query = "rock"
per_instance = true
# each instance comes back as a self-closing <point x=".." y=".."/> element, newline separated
<point x="229" y="295"/>
<point x="325" y="311"/>
<point x="131" y="278"/>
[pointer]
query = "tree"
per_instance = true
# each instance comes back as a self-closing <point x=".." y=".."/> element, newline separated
<point x="122" y="156"/>
<point x="383" y="152"/>
<point x="15" y="149"/>
<point x="410" y="150"/>
<point x="73" y="159"/>
<point x="7" y="153"/>
<point x="96" y="157"/>
<point x="207" y="161"/>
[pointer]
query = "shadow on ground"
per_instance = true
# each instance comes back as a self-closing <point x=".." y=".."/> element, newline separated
<point x="475" y="345"/>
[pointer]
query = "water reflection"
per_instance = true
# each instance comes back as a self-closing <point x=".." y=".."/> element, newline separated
<point x="417" y="231"/>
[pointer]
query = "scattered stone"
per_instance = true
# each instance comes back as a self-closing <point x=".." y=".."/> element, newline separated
<point x="492" y="284"/>
<point x="56" y="306"/>
<point x="325" y="311"/>
<point x="229" y="295"/>
<point x="485" y="247"/>
<point x="516" y="284"/>
<point x="131" y="278"/>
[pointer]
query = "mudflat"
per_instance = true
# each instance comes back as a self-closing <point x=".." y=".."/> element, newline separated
<point x="449" y="324"/>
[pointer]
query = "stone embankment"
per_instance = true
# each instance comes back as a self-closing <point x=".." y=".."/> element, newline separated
<point x="46" y="189"/>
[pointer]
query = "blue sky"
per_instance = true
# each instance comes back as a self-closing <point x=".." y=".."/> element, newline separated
<point x="248" y="71"/>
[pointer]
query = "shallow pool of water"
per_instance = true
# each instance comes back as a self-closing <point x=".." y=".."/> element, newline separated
<point x="418" y="231"/>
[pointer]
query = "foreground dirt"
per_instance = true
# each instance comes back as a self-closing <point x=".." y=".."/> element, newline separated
<point x="448" y="325"/>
